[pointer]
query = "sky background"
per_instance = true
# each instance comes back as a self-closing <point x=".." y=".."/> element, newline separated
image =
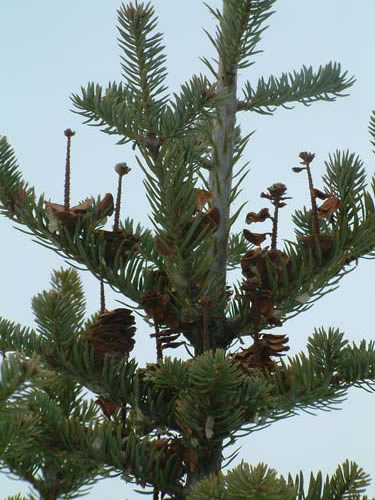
<point x="49" y="49"/>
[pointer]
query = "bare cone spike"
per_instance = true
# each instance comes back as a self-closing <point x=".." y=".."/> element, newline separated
<point x="276" y="194"/>
<point x="307" y="158"/>
<point x="68" y="134"/>
<point x="121" y="169"/>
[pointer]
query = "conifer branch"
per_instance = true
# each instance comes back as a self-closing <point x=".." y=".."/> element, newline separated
<point x="239" y="30"/>
<point x="15" y="374"/>
<point x="117" y="112"/>
<point x="143" y="60"/>
<point x="305" y="87"/>
<point x="194" y="105"/>
<point x="371" y="128"/>
<point x="349" y="480"/>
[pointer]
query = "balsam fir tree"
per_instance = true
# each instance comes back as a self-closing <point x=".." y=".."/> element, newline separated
<point x="165" y="426"/>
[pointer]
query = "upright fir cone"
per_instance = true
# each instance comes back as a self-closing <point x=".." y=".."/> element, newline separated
<point x="112" y="334"/>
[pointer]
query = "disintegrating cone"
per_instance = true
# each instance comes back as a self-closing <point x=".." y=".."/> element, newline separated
<point x="112" y="333"/>
<point x="203" y="197"/>
<point x="115" y="241"/>
<point x="258" y="285"/>
<point x="254" y="264"/>
<point x="306" y="157"/>
<point x="108" y="406"/>
<point x="260" y="355"/>
<point x="167" y="338"/>
<point x="319" y="194"/>
<point x="165" y="245"/>
<point x="209" y="219"/>
<point x="57" y="214"/>
<point x="254" y="238"/>
<point x="165" y="449"/>
<point x="105" y="207"/>
<point x="313" y="241"/>
<point x="328" y="208"/>
<point x="157" y="306"/>
<point x="261" y="216"/>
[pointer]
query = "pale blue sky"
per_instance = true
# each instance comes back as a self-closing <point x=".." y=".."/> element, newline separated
<point x="49" y="49"/>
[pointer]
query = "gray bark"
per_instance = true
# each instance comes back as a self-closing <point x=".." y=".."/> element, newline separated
<point x="209" y="463"/>
<point x="220" y="177"/>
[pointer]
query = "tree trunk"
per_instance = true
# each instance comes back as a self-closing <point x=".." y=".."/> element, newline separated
<point x="220" y="178"/>
<point x="209" y="463"/>
<point x="220" y="184"/>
